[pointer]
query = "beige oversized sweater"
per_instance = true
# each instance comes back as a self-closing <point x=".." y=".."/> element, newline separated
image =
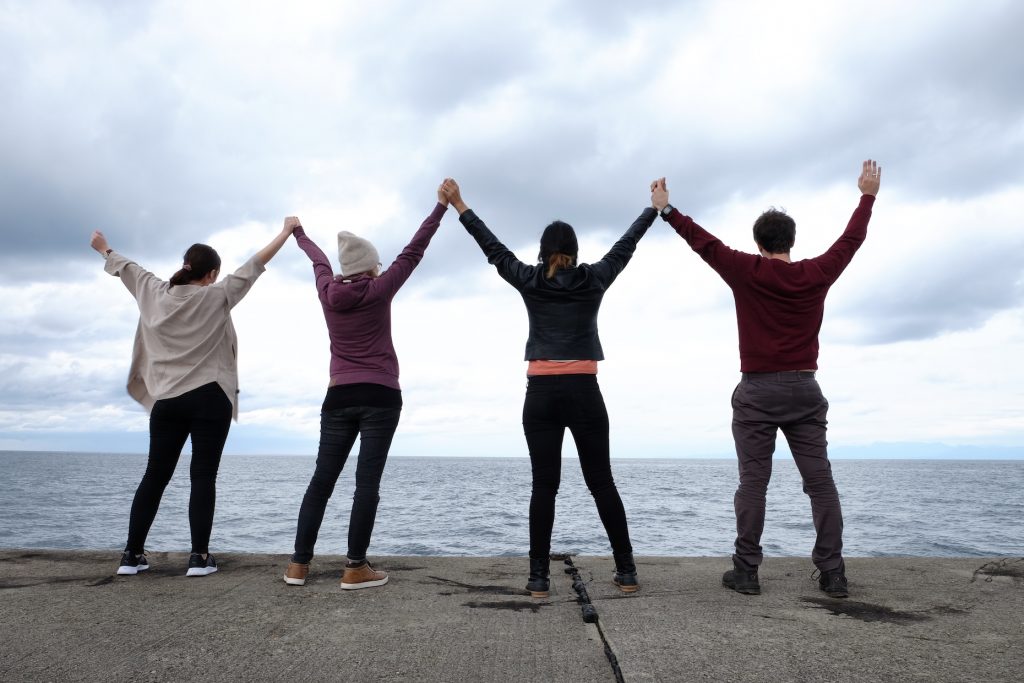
<point x="185" y="338"/>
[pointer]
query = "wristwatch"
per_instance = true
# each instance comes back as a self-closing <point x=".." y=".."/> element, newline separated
<point x="668" y="208"/>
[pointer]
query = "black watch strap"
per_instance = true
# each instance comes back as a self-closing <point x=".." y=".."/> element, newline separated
<point x="668" y="208"/>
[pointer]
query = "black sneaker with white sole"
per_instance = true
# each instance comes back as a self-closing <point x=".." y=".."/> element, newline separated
<point x="132" y="563"/>
<point x="197" y="566"/>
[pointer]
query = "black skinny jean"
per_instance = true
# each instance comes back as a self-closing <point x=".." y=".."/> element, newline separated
<point x="338" y="430"/>
<point x="205" y="414"/>
<point x="553" y="403"/>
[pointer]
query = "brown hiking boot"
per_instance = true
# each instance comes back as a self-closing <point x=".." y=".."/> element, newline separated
<point x="362" y="576"/>
<point x="296" y="574"/>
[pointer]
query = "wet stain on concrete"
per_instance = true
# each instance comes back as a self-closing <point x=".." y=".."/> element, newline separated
<point x="514" y="605"/>
<point x="867" y="612"/>
<point x="29" y="556"/>
<point x="1013" y="568"/>
<point x="471" y="588"/>
<point x="946" y="609"/>
<point x="398" y="567"/>
<point x="11" y="584"/>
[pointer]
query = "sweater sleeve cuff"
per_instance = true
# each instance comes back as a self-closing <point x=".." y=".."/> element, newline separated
<point x="439" y="210"/>
<point x="251" y="268"/>
<point x="114" y="262"/>
<point x="298" y="232"/>
<point x="466" y="216"/>
<point x="867" y="200"/>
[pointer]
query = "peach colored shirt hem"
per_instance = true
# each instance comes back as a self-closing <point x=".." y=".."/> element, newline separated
<point x="561" y="367"/>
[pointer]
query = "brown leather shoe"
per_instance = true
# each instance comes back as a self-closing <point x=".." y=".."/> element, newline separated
<point x="296" y="574"/>
<point x="362" y="576"/>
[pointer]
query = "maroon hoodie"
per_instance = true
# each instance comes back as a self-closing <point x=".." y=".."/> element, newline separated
<point x="358" y="309"/>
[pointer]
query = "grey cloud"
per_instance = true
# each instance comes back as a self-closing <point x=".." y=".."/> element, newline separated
<point x="128" y="152"/>
<point x="936" y="293"/>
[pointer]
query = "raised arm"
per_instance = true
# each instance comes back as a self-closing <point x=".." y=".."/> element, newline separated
<point x="510" y="268"/>
<point x="609" y="267"/>
<point x="834" y="261"/>
<point x="132" y="275"/>
<point x="323" y="274"/>
<point x="396" y="275"/>
<point x="264" y="255"/>
<point x="237" y="284"/>
<point x="725" y="261"/>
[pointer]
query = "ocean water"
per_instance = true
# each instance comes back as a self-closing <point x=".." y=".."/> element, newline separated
<point x="478" y="506"/>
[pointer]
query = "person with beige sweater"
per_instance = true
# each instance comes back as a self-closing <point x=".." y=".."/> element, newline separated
<point x="184" y="371"/>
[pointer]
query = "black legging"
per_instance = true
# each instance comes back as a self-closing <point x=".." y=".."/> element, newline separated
<point x="205" y="414"/>
<point x="554" y="402"/>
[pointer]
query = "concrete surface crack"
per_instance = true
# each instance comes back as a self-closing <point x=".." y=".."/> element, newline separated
<point x="589" y="613"/>
<point x="1002" y="567"/>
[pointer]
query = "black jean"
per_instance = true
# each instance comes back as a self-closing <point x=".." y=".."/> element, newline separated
<point x="338" y="430"/>
<point x="205" y="414"/>
<point x="762" y="404"/>
<point x="553" y="403"/>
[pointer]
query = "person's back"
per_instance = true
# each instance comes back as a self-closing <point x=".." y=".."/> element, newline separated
<point x="563" y="312"/>
<point x="358" y="315"/>
<point x="781" y="306"/>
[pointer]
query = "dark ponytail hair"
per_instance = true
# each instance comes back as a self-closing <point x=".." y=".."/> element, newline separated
<point x="199" y="261"/>
<point x="558" y="247"/>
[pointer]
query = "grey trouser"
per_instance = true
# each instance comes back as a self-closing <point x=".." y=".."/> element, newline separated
<point x="762" y="404"/>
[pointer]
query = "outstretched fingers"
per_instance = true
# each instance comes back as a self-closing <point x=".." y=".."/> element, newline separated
<point x="870" y="177"/>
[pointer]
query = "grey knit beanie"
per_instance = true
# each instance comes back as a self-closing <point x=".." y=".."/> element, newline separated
<point x="355" y="254"/>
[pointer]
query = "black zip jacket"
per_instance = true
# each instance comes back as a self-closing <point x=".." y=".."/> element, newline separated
<point x="562" y="310"/>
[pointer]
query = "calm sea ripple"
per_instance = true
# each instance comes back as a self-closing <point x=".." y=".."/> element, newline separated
<point x="478" y="506"/>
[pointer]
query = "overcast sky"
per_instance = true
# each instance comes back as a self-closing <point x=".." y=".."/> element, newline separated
<point x="168" y="123"/>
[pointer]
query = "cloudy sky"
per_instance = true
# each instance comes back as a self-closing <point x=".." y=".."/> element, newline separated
<point x="168" y="123"/>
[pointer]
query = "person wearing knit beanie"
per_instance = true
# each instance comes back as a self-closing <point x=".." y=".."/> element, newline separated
<point x="356" y="255"/>
<point x="364" y="397"/>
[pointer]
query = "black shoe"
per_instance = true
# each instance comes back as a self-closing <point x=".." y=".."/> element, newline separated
<point x="197" y="566"/>
<point x="539" y="583"/>
<point x="742" y="580"/>
<point x="834" y="583"/>
<point x="133" y="564"/>
<point x="625" y="573"/>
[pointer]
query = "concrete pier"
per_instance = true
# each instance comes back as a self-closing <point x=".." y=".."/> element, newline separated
<point x="64" y="615"/>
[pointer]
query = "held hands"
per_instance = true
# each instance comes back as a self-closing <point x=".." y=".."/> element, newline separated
<point x="290" y="223"/>
<point x="450" y="189"/>
<point x="99" y="242"/>
<point x="659" y="194"/>
<point x="870" y="178"/>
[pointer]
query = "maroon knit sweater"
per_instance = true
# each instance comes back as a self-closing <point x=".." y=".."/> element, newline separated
<point x="358" y="310"/>
<point x="779" y="305"/>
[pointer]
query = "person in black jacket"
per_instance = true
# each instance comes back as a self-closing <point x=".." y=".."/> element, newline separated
<point x="562" y="300"/>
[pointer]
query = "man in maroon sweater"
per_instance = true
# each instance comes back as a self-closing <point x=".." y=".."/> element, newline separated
<point x="779" y="308"/>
